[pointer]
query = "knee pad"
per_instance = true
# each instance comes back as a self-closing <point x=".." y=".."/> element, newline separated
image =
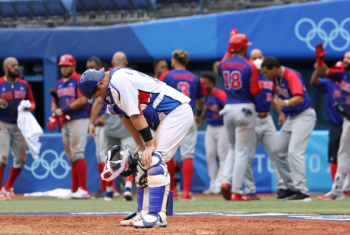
<point x="158" y="172"/>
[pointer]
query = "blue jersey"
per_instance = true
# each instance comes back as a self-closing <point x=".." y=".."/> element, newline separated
<point x="333" y="94"/>
<point x="263" y="99"/>
<point x="185" y="82"/>
<point x="14" y="94"/>
<point x="344" y="78"/>
<point x="240" y="78"/>
<point x="213" y="105"/>
<point x="289" y="85"/>
<point x="67" y="93"/>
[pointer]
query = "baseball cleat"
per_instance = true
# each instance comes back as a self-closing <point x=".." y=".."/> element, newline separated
<point x="300" y="197"/>
<point x="3" y="196"/>
<point x="286" y="194"/>
<point x="100" y="194"/>
<point x="253" y="196"/>
<point x="81" y="194"/>
<point x="330" y="196"/>
<point x="130" y="219"/>
<point x="151" y="220"/>
<point x="186" y="196"/>
<point x="108" y="196"/>
<point x="238" y="197"/>
<point x="9" y="193"/>
<point x="226" y="191"/>
<point x="127" y="194"/>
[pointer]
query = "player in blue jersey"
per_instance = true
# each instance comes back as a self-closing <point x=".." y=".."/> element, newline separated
<point x="12" y="91"/>
<point x="71" y="103"/>
<point x="144" y="103"/>
<point x="265" y="130"/>
<point x="190" y="85"/>
<point x="332" y="95"/>
<point x="343" y="167"/>
<point x="298" y="119"/>
<point x="216" y="142"/>
<point x="240" y="78"/>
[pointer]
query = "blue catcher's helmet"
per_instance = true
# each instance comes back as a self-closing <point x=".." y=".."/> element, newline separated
<point x="88" y="81"/>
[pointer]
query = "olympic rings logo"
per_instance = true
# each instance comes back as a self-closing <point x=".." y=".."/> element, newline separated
<point x="50" y="168"/>
<point x="321" y="33"/>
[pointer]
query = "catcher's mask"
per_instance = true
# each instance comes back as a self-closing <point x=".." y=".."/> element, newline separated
<point x="119" y="161"/>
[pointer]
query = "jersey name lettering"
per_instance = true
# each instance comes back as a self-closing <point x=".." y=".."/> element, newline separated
<point x="70" y="91"/>
<point x="7" y="95"/>
<point x="182" y="76"/>
<point x="233" y="65"/>
<point x="345" y="86"/>
<point x="20" y="94"/>
<point x="283" y="92"/>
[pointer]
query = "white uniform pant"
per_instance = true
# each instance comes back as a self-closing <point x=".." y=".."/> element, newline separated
<point x="240" y="129"/>
<point x="216" y="148"/>
<point x="265" y="133"/>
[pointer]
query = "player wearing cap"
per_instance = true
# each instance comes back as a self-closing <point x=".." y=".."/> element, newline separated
<point x="144" y="104"/>
<point x="12" y="91"/>
<point x="298" y="119"/>
<point x="190" y="85"/>
<point x="265" y="130"/>
<point x="332" y="95"/>
<point x="73" y="111"/>
<point x="216" y="143"/>
<point x="240" y="78"/>
<point x="343" y="77"/>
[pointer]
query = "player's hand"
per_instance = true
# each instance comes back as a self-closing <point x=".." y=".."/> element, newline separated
<point x="100" y="120"/>
<point x="58" y="112"/>
<point x="3" y="103"/>
<point x="147" y="155"/>
<point x="281" y="118"/>
<point x="92" y="131"/>
<point x="198" y="120"/>
<point x="279" y="102"/>
<point x="319" y="53"/>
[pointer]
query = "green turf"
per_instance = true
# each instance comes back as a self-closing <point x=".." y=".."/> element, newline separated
<point x="204" y="204"/>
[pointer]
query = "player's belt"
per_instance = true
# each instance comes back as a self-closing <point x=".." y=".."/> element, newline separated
<point x="263" y="115"/>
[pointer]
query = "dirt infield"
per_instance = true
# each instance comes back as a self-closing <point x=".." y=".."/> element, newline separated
<point x="97" y="224"/>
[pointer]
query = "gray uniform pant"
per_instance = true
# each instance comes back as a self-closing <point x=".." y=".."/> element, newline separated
<point x="265" y="133"/>
<point x="292" y="140"/>
<point x="111" y="141"/>
<point x="100" y="144"/>
<point x="240" y="129"/>
<point x="188" y="144"/>
<point x="11" y="138"/>
<point x="74" y="137"/>
<point x="343" y="159"/>
<point x="216" y="147"/>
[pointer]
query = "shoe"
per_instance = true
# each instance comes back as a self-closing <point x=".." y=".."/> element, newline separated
<point x="207" y="192"/>
<point x="100" y="193"/>
<point x="238" y="197"/>
<point x="280" y="192"/>
<point x="347" y="193"/>
<point x="226" y="191"/>
<point x="253" y="196"/>
<point x="300" y="197"/>
<point x="186" y="196"/>
<point x="175" y="195"/>
<point x="109" y="196"/>
<point x="127" y="194"/>
<point x="3" y="197"/>
<point x="286" y="194"/>
<point x="157" y="221"/>
<point x="116" y="193"/>
<point x="130" y="219"/>
<point x="330" y="196"/>
<point x="81" y="194"/>
<point x="9" y="193"/>
<point x="216" y="191"/>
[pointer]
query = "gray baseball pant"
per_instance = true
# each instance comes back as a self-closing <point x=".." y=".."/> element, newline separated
<point x="188" y="144"/>
<point x="100" y="144"/>
<point x="292" y="140"/>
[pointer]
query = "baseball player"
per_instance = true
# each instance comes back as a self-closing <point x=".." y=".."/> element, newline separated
<point x="332" y="95"/>
<point x="265" y="129"/>
<point x="343" y="167"/>
<point x="216" y="143"/>
<point x="97" y="119"/>
<point x="71" y="103"/>
<point x="12" y="91"/>
<point x="240" y="78"/>
<point x="144" y="103"/>
<point x="115" y="134"/>
<point x="190" y="85"/>
<point x="159" y="66"/>
<point x="294" y="102"/>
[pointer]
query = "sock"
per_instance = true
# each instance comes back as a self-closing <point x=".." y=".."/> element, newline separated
<point x="333" y="168"/>
<point x="187" y="173"/>
<point x="75" y="183"/>
<point x="13" y="176"/>
<point x="2" y="171"/>
<point x="171" y="170"/>
<point x="101" y="166"/>
<point x="109" y="189"/>
<point x="82" y="173"/>
<point x="128" y="184"/>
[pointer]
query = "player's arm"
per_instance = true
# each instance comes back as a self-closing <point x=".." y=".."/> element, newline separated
<point x="200" y="111"/>
<point x="281" y="117"/>
<point x="74" y="106"/>
<point x="95" y="110"/>
<point x="314" y="79"/>
<point x="54" y="106"/>
<point x="254" y="87"/>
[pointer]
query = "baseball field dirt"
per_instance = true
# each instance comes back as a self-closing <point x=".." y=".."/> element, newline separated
<point x="109" y="224"/>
